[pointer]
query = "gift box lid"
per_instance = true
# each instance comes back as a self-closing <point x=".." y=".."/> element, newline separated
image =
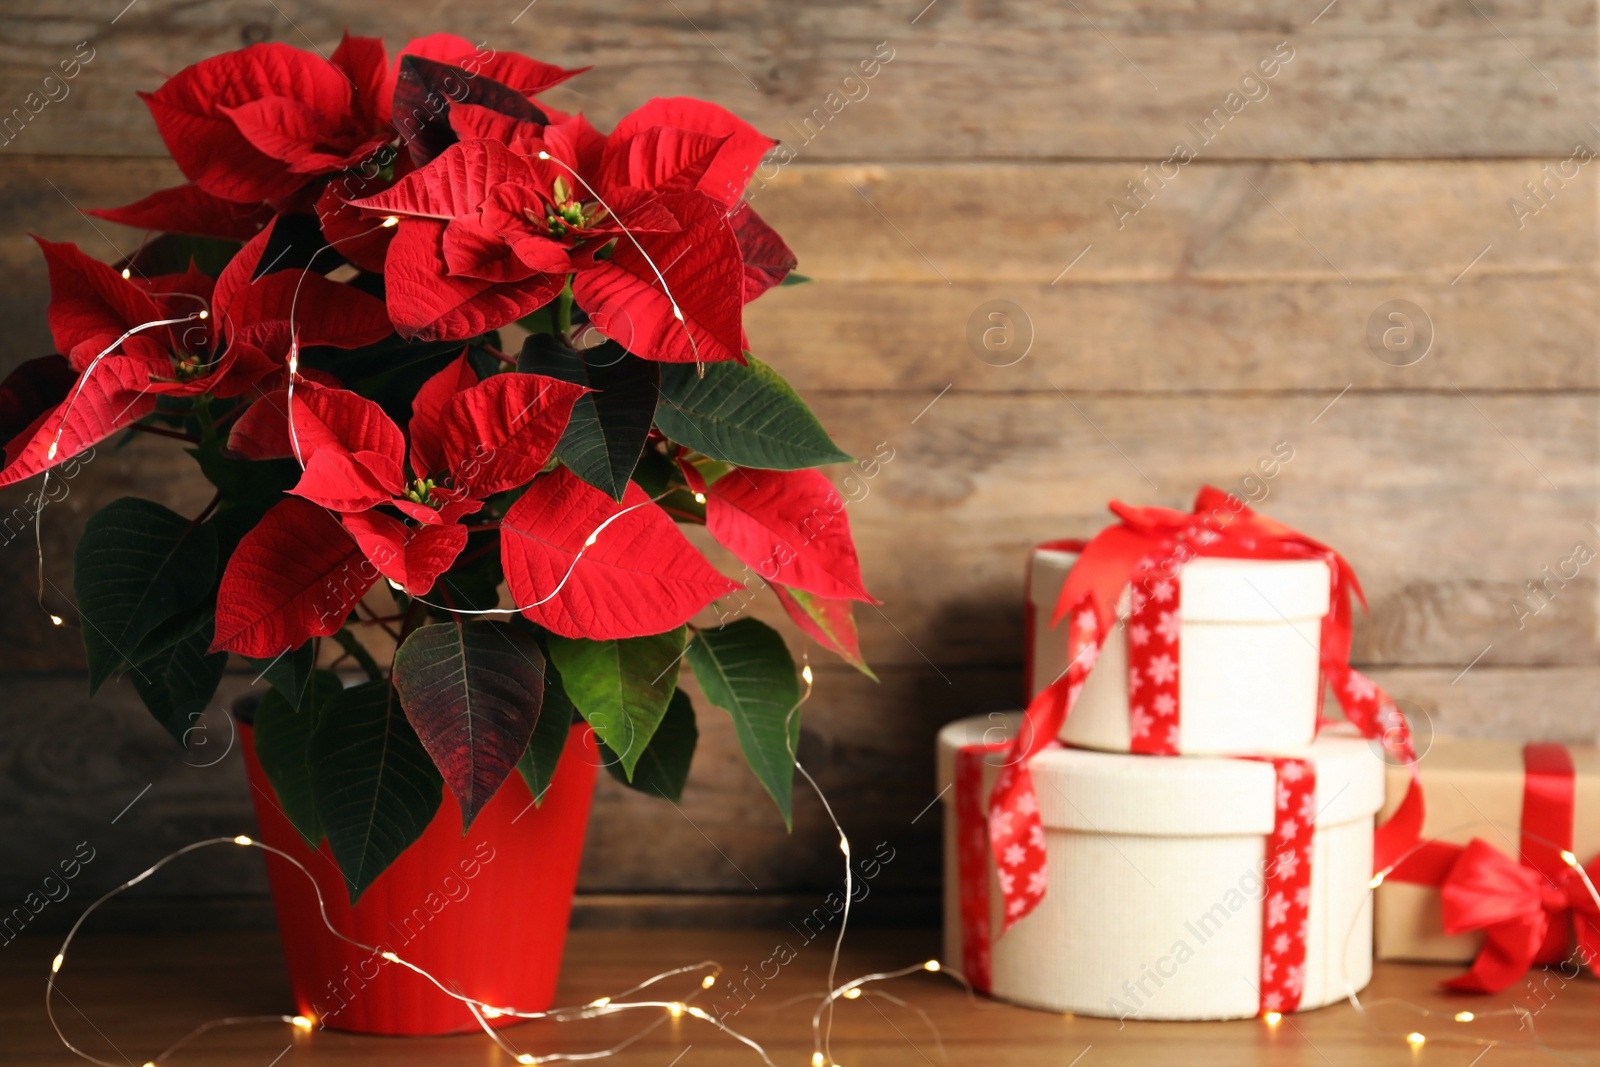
<point x="1213" y="588"/>
<point x="1188" y="796"/>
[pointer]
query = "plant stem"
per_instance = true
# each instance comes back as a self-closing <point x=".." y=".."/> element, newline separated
<point x="563" y="312"/>
<point x="359" y="653"/>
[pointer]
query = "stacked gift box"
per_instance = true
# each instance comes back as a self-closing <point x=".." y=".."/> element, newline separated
<point x="1174" y="830"/>
<point x="1166" y="833"/>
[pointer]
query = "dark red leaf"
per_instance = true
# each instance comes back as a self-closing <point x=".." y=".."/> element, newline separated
<point x="790" y="527"/>
<point x="296" y="575"/>
<point x="640" y="576"/>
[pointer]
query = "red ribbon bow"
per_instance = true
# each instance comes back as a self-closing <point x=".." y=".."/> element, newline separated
<point x="1519" y="909"/>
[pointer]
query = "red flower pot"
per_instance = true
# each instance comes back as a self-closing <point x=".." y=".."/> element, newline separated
<point x="486" y="913"/>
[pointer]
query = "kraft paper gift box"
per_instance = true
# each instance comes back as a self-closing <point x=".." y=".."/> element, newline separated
<point x="1474" y="789"/>
<point x="1157" y="906"/>
<point x="1249" y="673"/>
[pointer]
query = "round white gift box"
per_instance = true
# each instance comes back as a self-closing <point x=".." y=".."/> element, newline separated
<point x="1154" y="905"/>
<point x="1249" y="647"/>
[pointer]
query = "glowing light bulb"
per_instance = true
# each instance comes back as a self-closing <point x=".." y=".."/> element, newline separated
<point x="55" y="964"/>
<point x="1416" y="1040"/>
<point x="1568" y="858"/>
<point x="1376" y="881"/>
<point x="391" y="221"/>
<point x="390" y="957"/>
<point x="294" y="363"/>
<point x="852" y="994"/>
<point x="818" y="1060"/>
<point x="844" y="845"/>
<point x="676" y="1008"/>
<point x="126" y="273"/>
<point x="544" y="155"/>
<point x="149" y="1064"/>
<point x="589" y="541"/>
<point x="396" y="586"/>
<point x="50" y="453"/>
<point x="699" y="498"/>
<point x="696" y="1012"/>
<point x="56" y="620"/>
<point x="302" y="1022"/>
<point x="205" y="315"/>
<point x="492" y="1013"/>
<point x="677" y="312"/>
<point x="243" y="840"/>
<point x="602" y="1002"/>
<point x="1465" y="1016"/>
<point x="805" y="673"/>
<point x="931" y="965"/>
<point x="526" y="1058"/>
<point x="1273" y="1018"/>
<point x="708" y="981"/>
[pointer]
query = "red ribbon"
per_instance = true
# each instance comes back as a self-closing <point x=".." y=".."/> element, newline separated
<point x="1521" y="907"/>
<point x="1286" y="907"/>
<point x="1148" y="549"/>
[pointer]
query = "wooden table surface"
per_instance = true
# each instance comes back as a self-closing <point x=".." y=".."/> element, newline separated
<point x="131" y="996"/>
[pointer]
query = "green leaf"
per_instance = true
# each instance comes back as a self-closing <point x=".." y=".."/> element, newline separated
<point x="283" y="730"/>
<point x="375" y="788"/>
<point x="745" y="669"/>
<point x="538" y="763"/>
<point x="742" y="414"/>
<point x="177" y="684"/>
<point x="289" y="673"/>
<point x="794" y="279"/>
<point x="621" y="687"/>
<point x="608" y="429"/>
<point x="664" y="767"/>
<point x="472" y="691"/>
<point x="137" y="565"/>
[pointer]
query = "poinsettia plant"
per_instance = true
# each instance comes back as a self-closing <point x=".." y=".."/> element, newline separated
<point x="318" y="321"/>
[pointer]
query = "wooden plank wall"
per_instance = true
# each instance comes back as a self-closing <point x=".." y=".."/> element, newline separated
<point x="1220" y="313"/>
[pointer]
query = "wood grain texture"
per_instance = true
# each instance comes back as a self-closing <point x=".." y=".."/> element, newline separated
<point x="137" y="994"/>
<point x="70" y="766"/>
<point x="969" y="77"/>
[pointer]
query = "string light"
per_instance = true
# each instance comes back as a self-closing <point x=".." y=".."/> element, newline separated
<point x="1416" y="1040"/>
<point x="699" y="498"/>
<point x="390" y="222"/>
<point x="57" y="620"/>
<point x="1465" y="1016"/>
<point x="1273" y="1018"/>
<point x="483" y="1012"/>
